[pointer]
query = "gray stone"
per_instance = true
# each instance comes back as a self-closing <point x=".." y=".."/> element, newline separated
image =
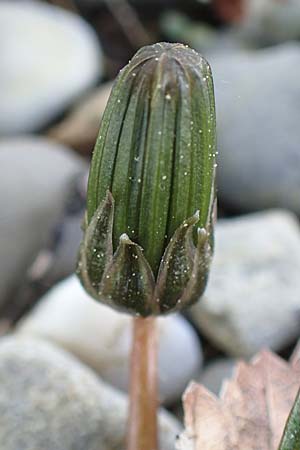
<point x="215" y="373"/>
<point x="49" y="57"/>
<point x="35" y="176"/>
<point x="48" y="401"/>
<point x="101" y="337"/>
<point x="258" y="128"/>
<point x="57" y="260"/>
<point x="252" y="300"/>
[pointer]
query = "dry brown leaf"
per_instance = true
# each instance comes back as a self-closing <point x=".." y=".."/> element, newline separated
<point x="80" y="128"/>
<point x="252" y="409"/>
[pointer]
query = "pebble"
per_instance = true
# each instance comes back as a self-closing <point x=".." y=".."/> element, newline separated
<point x="258" y="133"/>
<point x="35" y="177"/>
<point x="49" y="400"/>
<point x="252" y="300"/>
<point x="101" y="338"/>
<point x="49" y="57"/>
<point x="61" y="248"/>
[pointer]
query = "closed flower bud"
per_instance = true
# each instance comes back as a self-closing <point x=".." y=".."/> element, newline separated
<point x="148" y="234"/>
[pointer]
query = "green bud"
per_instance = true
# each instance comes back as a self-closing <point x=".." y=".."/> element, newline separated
<point x="148" y="236"/>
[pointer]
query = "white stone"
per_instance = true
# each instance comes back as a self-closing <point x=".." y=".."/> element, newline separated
<point x="35" y="177"/>
<point x="101" y="337"/>
<point x="50" y="401"/>
<point x="49" y="57"/>
<point x="253" y="295"/>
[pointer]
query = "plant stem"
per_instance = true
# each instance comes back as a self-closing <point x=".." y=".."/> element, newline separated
<point x="142" y="425"/>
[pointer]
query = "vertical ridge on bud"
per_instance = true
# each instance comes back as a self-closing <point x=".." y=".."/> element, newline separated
<point x="204" y="141"/>
<point x="179" y="206"/>
<point x="103" y="162"/>
<point x="195" y="144"/>
<point x="156" y="186"/>
<point x="137" y="169"/>
<point x="127" y="180"/>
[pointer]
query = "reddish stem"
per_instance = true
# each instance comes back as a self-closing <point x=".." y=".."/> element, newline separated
<point x="142" y="425"/>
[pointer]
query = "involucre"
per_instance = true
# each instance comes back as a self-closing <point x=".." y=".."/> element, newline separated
<point x="148" y="234"/>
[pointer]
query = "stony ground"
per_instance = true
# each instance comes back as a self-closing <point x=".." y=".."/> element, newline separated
<point x="64" y="358"/>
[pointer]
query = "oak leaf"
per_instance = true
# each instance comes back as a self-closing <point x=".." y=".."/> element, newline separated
<point x="252" y="409"/>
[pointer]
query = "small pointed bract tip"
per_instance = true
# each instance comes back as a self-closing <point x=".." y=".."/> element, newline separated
<point x="124" y="239"/>
<point x="202" y="233"/>
<point x="109" y="197"/>
<point x="192" y="220"/>
<point x="197" y="215"/>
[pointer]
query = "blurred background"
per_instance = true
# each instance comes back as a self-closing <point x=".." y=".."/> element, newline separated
<point x="57" y="62"/>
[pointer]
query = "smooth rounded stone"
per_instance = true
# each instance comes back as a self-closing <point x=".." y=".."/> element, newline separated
<point x="101" y="337"/>
<point x="258" y="128"/>
<point x="252" y="299"/>
<point x="49" y="57"/>
<point x="48" y="400"/>
<point x="215" y="373"/>
<point x="35" y="178"/>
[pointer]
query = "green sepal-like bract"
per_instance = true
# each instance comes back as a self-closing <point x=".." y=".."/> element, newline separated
<point x="184" y="268"/>
<point x="96" y="249"/>
<point x="128" y="282"/>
